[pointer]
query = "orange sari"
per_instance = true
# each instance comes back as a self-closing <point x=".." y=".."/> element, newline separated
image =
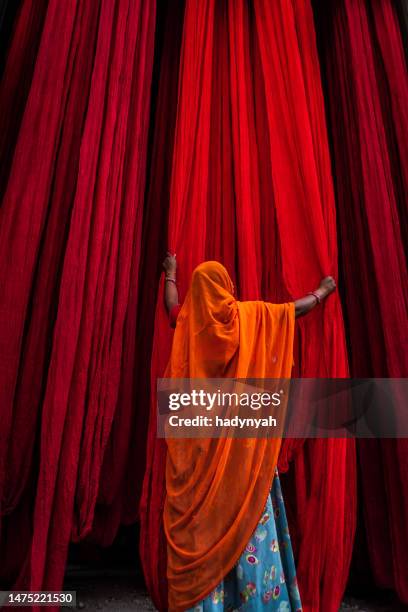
<point x="217" y="488"/>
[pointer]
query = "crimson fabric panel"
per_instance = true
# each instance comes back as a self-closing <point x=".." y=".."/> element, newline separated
<point x="366" y="76"/>
<point x="251" y="186"/>
<point x="70" y="228"/>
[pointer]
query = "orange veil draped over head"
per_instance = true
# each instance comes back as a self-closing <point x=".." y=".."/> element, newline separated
<point x="217" y="488"/>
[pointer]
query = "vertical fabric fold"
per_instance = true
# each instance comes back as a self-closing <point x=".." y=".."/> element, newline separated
<point x="70" y="241"/>
<point x="252" y="187"/>
<point x="305" y="212"/>
<point x="366" y="76"/>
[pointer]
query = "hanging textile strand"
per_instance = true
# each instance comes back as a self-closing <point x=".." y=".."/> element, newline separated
<point x="366" y="76"/>
<point x="70" y="231"/>
<point x="269" y="132"/>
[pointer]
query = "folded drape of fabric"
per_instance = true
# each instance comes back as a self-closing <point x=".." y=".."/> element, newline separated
<point x="402" y="10"/>
<point x="366" y="76"/>
<point x="251" y="187"/>
<point x="70" y="231"/>
<point x="305" y="212"/>
<point x="19" y="61"/>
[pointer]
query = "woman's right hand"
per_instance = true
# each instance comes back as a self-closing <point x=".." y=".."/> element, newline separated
<point x="327" y="286"/>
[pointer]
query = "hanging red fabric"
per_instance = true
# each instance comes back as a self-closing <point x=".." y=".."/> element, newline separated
<point x="251" y="186"/>
<point x="70" y="231"/>
<point x="16" y="79"/>
<point x="368" y="99"/>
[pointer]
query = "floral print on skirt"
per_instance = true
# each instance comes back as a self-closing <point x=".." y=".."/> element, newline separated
<point x="265" y="576"/>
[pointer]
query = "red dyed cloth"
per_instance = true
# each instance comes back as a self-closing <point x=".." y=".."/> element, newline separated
<point x="70" y="228"/>
<point x="251" y="187"/>
<point x="367" y="81"/>
<point x="173" y="314"/>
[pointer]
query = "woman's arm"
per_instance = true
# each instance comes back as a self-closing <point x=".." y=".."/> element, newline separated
<point x="305" y="304"/>
<point x="170" y="288"/>
<point x="302" y="305"/>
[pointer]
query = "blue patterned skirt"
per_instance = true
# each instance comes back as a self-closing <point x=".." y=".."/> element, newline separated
<point x="265" y="576"/>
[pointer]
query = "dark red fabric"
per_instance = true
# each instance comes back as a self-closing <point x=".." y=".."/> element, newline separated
<point x="16" y="80"/>
<point x="243" y="176"/>
<point x="368" y="98"/>
<point x="173" y="314"/>
<point x="70" y="230"/>
<point x="252" y="187"/>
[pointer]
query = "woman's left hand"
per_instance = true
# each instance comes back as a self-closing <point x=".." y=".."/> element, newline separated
<point x="170" y="264"/>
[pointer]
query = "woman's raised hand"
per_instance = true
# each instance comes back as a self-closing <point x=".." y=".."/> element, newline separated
<point x="327" y="286"/>
<point x="305" y="304"/>
<point x="170" y="264"/>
